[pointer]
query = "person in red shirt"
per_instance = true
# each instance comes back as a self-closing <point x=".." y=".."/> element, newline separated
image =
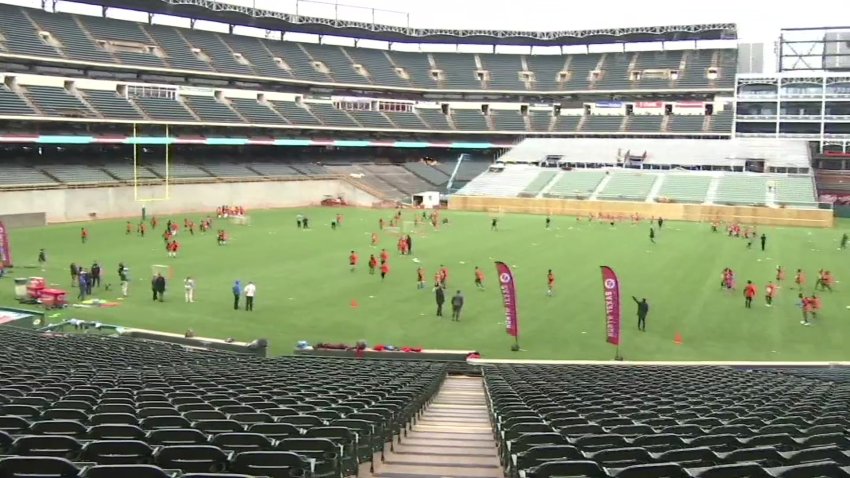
<point x="806" y="307"/>
<point x="550" y="280"/>
<point x="828" y="280"/>
<point x="142" y="229"/>
<point x="352" y="260"/>
<point x="400" y="245"/>
<point x="769" y="294"/>
<point x="373" y="263"/>
<point x="84" y="235"/>
<point x="192" y="227"/>
<point x="800" y="279"/>
<point x="750" y="291"/>
<point x="479" y="278"/>
<point x="385" y="269"/>
<point x="173" y="247"/>
<point x="385" y="256"/>
<point x="816" y="305"/>
<point x="444" y="275"/>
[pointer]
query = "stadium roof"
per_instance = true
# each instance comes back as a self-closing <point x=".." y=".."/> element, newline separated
<point x="214" y="11"/>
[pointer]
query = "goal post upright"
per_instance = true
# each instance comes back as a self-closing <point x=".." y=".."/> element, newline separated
<point x="136" y="165"/>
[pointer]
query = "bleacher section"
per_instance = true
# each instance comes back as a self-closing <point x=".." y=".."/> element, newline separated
<point x="667" y="422"/>
<point x="625" y="186"/>
<point x="92" y="406"/>
<point x="540" y="182"/>
<point x="742" y="190"/>
<point x="684" y="188"/>
<point x="428" y="173"/>
<point x="794" y="191"/>
<point x="575" y="185"/>
<point x="508" y="183"/>
<point x="100" y="40"/>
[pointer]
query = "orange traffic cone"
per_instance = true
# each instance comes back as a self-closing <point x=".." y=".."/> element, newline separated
<point x="354" y="304"/>
<point x="678" y="339"/>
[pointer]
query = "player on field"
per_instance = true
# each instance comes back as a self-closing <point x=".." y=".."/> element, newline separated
<point x="420" y="278"/>
<point x="479" y="278"/>
<point x="494" y="224"/>
<point x="548" y="221"/>
<point x="800" y="279"/>
<point x="154" y="222"/>
<point x="385" y="256"/>
<point x="550" y="283"/>
<point x="84" y="235"/>
<point x="353" y="258"/>
<point x="750" y="292"/>
<point x="844" y="239"/>
<point x="141" y="228"/>
<point x="373" y="263"/>
<point x="769" y="294"/>
<point x="816" y="305"/>
<point x="780" y="274"/>
<point x="806" y="308"/>
<point x="381" y="224"/>
<point x="651" y="234"/>
<point x="129" y="229"/>
<point x="443" y="275"/>
<point x="385" y="269"/>
<point x="374" y="239"/>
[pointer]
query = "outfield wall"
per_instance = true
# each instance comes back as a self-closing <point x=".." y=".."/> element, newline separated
<point x="670" y="211"/>
<point x="66" y="205"/>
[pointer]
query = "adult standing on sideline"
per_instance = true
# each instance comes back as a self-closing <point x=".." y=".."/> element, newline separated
<point x="189" y="290"/>
<point x="250" y="291"/>
<point x="95" y="274"/>
<point x="440" y="296"/>
<point x="237" y="293"/>
<point x="763" y="241"/>
<point x="124" y="276"/>
<point x="159" y="286"/>
<point x="457" y="305"/>
<point x="642" y="312"/>
<point x="153" y="287"/>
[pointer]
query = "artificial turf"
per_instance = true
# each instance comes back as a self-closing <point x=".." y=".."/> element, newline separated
<point x="305" y="288"/>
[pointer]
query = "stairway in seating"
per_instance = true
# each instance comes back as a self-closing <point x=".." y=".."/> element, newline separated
<point x="453" y="438"/>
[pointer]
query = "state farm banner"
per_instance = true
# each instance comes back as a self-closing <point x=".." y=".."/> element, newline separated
<point x="5" y="251"/>
<point x="690" y="104"/>
<point x="506" y="283"/>
<point x="611" y="294"/>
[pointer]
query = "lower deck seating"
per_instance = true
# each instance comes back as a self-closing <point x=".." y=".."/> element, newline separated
<point x="508" y="183"/>
<point x="576" y="184"/>
<point x="540" y="182"/>
<point x="742" y="190"/>
<point x="661" y="422"/>
<point x="93" y="406"/>
<point x="795" y="191"/>
<point x="684" y="188"/>
<point x="625" y="186"/>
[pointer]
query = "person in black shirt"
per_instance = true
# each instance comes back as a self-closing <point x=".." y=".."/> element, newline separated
<point x="660" y="222"/>
<point x="457" y="305"/>
<point x="763" y="241"/>
<point x="642" y="311"/>
<point x="95" y="274"/>
<point x="548" y="221"/>
<point x="440" y="296"/>
<point x="494" y="224"/>
<point x="652" y="235"/>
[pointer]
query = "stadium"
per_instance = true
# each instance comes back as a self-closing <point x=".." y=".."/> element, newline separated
<point x="237" y="241"/>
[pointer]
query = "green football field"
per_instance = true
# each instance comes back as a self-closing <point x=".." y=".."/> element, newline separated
<point x="305" y="289"/>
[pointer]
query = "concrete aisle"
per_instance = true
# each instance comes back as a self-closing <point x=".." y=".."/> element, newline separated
<point x="453" y="439"/>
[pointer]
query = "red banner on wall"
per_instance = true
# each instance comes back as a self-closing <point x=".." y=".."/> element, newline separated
<point x="611" y="295"/>
<point x="5" y="250"/>
<point x="649" y="104"/>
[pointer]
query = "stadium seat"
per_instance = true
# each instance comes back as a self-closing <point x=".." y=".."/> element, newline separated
<point x="135" y="471"/>
<point x="41" y="466"/>
<point x="117" y="452"/>
<point x="275" y="464"/>
<point x="192" y="458"/>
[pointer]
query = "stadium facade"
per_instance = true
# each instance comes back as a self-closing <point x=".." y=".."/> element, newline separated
<point x="103" y="87"/>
